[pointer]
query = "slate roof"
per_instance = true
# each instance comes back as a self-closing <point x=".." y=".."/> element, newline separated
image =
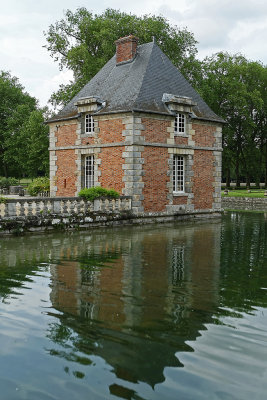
<point x="138" y="85"/>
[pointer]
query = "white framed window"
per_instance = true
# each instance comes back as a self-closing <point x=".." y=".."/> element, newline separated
<point x="89" y="124"/>
<point x="89" y="168"/>
<point x="178" y="174"/>
<point x="180" y="124"/>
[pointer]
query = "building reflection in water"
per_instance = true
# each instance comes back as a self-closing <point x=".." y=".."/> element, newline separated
<point x="137" y="297"/>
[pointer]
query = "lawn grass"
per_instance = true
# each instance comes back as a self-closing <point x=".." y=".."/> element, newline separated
<point x="244" y="193"/>
<point x="25" y="181"/>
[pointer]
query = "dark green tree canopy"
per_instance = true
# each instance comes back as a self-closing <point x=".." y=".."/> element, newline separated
<point x="236" y="89"/>
<point x="23" y="136"/>
<point x="83" y="42"/>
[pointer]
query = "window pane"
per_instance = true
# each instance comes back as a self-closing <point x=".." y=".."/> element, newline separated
<point x="89" y="124"/>
<point x="89" y="171"/>
<point x="178" y="174"/>
<point x="179" y="124"/>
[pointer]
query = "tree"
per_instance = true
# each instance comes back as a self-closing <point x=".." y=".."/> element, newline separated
<point x="23" y="135"/>
<point x="35" y="137"/>
<point x="83" y="43"/>
<point x="15" y="106"/>
<point x="234" y="88"/>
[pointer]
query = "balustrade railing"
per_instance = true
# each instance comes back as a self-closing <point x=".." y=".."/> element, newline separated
<point x="62" y="206"/>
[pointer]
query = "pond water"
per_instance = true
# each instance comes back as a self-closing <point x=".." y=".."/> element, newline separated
<point x="176" y="311"/>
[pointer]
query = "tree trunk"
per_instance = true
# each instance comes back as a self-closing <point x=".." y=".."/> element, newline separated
<point x="237" y="185"/>
<point x="228" y="178"/>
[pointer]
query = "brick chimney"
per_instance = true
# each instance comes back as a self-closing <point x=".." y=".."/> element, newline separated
<point x="126" y="49"/>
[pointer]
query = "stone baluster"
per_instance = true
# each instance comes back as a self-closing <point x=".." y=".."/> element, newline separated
<point x="100" y="205"/>
<point x="63" y="207"/>
<point x="41" y="206"/>
<point x="69" y="206"/>
<point x="34" y="208"/>
<point x="49" y="207"/>
<point x="75" y="206"/>
<point x="119" y="204"/>
<point x="25" y="209"/>
<point x="81" y="206"/>
<point x="91" y="206"/>
<point x="18" y="209"/>
<point x="44" y="206"/>
<point x="110" y="205"/>
<point x="3" y="208"/>
<point x="30" y="208"/>
<point x="106" y="205"/>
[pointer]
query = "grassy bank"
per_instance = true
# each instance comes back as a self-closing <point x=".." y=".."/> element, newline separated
<point x="244" y="193"/>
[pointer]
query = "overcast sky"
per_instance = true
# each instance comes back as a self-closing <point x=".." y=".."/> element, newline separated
<point x="218" y="25"/>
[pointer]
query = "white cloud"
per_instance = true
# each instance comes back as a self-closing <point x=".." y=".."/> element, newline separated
<point x="45" y="87"/>
<point x="233" y="26"/>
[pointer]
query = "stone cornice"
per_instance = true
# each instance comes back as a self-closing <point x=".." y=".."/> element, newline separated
<point x="136" y="143"/>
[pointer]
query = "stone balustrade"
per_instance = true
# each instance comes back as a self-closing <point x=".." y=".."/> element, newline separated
<point x="27" y="207"/>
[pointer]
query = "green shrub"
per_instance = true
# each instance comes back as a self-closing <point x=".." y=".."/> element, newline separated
<point x="6" y="182"/>
<point x="95" y="192"/>
<point x="2" y="200"/>
<point x="39" y="185"/>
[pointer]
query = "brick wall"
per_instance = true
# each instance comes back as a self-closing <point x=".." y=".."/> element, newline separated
<point x="110" y="131"/>
<point x="87" y="140"/>
<point x="66" y="173"/>
<point x="111" y="162"/>
<point x="180" y="140"/>
<point x="203" y="179"/>
<point x="155" y="178"/>
<point x="66" y="135"/>
<point x="155" y="171"/>
<point x="204" y="135"/>
<point x="155" y="130"/>
<point x="179" y="200"/>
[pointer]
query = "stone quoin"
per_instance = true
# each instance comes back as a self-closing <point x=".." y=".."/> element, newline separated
<point x="140" y="128"/>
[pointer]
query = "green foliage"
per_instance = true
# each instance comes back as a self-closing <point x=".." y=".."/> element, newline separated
<point x="6" y="182"/>
<point x="35" y="137"/>
<point x="15" y="107"/>
<point x="93" y="193"/>
<point x="39" y="185"/>
<point x="235" y="89"/>
<point x="3" y="200"/>
<point x="83" y="42"/>
<point x="23" y="135"/>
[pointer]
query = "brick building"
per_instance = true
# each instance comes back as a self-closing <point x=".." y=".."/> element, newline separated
<point x="139" y="127"/>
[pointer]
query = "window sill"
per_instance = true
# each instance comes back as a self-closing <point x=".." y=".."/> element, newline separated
<point x="180" y="194"/>
<point x="181" y="135"/>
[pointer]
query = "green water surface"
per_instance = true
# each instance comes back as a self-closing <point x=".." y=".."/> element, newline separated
<point x="176" y="311"/>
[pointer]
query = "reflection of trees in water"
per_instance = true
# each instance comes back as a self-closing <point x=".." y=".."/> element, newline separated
<point x="243" y="274"/>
